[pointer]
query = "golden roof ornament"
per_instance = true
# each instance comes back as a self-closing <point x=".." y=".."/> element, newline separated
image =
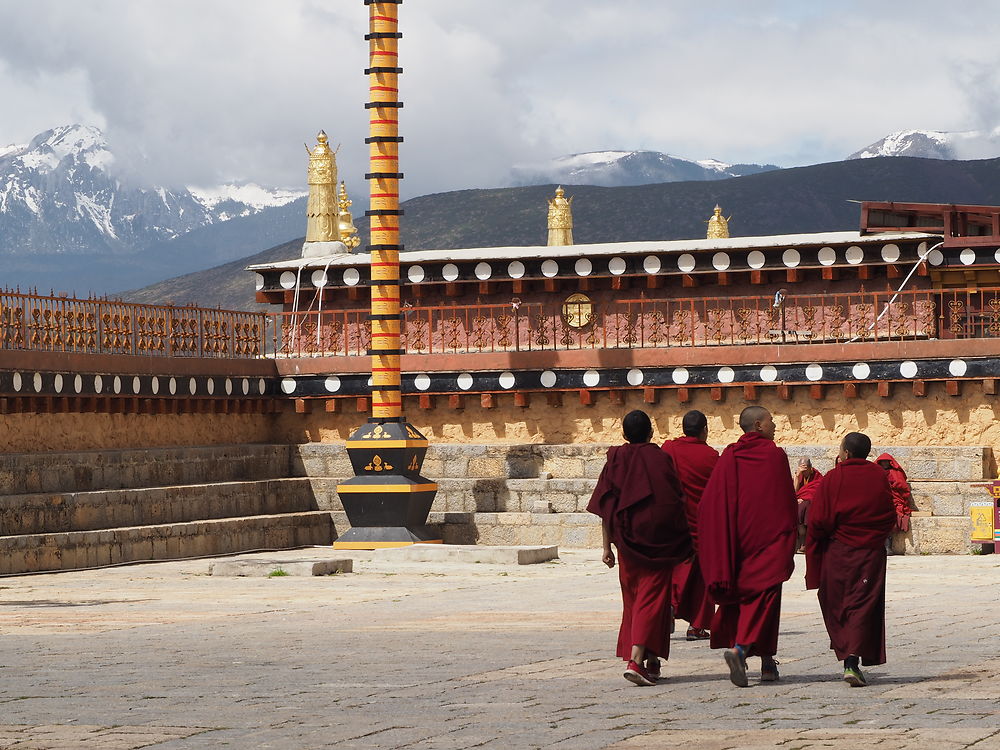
<point x="560" y="219"/>
<point x="345" y="223"/>
<point x="718" y="225"/>
<point x="321" y="210"/>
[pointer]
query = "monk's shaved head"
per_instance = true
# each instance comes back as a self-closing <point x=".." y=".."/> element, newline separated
<point x="857" y="445"/>
<point x="694" y="423"/>
<point x="750" y="416"/>
<point x="636" y="427"/>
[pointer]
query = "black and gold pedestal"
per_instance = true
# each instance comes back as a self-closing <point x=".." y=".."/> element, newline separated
<point x="387" y="502"/>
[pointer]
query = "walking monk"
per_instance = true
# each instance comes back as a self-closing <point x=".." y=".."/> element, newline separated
<point x="845" y="555"/>
<point x="694" y="459"/>
<point x="641" y="506"/>
<point x="746" y="545"/>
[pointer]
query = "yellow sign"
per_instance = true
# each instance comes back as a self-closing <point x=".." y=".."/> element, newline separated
<point x="981" y="512"/>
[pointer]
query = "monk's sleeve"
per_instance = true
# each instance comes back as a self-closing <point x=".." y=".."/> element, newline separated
<point x="601" y="501"/>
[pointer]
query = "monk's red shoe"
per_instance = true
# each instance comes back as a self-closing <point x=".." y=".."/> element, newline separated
<point x="653" y="669"/>
<point x="698" y="634"/>
<point x="638" y="675"/>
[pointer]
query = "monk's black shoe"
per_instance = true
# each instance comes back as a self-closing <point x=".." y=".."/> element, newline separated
<point x="737" y="664"/>
<point x="769" y="671"/>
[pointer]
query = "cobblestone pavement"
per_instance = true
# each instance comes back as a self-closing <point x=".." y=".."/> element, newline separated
<point x="433" y="656"/>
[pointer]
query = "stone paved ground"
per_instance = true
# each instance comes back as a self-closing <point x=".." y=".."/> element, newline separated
<point x="424" y="656"/>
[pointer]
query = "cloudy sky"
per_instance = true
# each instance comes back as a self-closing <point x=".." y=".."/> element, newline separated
<point x="214" y="90"/>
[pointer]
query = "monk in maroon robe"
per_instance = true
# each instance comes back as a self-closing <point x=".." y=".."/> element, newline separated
<point x="641" y="505"/>
<point x="902" y="498"/>
<point x="694" y="459"/>
<point x="806" y="483"/>
<point x="845" y="556"/>
<point x="746" y="544"/>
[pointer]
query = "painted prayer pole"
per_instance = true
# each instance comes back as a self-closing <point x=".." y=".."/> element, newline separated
<point x="384" y="213"/>
<point x="387" y="501"/>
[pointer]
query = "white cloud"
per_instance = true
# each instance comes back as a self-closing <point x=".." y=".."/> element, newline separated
<point x="228" y="90"/>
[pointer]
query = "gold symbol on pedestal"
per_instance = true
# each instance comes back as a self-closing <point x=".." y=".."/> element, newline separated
<point x="718" y="225"/>
<point x="560" y="219"/>
<point x="378" y="464"/>
<point x="413" y="433"/>
<point x="377" y="434"/>
<point x="578" y="310"/>
<point x="414" y="466"/>
<point x="345" y="222"/>
<point x="321" y="210"/>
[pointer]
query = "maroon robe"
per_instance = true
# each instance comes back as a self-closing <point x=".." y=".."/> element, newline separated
<point x="845" y="557"/>
<point x="746" y="542"/>
<point x="639" y="499"/>
<point x="806" y="493"/>
<point x="695" y="460"/>
<point x="901" y="496"/>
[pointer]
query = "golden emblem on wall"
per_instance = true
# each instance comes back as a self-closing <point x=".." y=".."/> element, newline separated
<point x="321" y="208"/>
<point x="718" y="225"/>
<point x="578" y="310"/>
<point x="560" y="219"/>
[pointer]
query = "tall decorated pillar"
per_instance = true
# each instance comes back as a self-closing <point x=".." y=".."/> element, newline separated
<point x="387" y="502"/>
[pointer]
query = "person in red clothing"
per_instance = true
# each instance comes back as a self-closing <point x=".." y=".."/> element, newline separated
<point x="902" y="499"/>
<point x="746" y="545"/>
<point x="641" y="505"/>
<point x="806" y="483"/>
<point x="845" y="556"/>
<point x="694" y="459"/>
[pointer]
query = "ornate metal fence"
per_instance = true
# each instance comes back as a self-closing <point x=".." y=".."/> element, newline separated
<point x="646" y="323"/>
<point x="95" y="326"/>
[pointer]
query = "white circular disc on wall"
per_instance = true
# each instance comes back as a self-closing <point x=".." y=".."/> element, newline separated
<point x="465" y="381"/>
<point x="332" y="384"/>
<point x="958" y="367"/>
<point x="814" y="372"/>
<point x="791" y="257"/>
<point x="483" y="271"/>
<point x="680" y="375"/>
<point x="78" y="383"/>
<point x="352" y="276"/>
<point x="720" y="261"/>
<point x="515" y="269"/>
<point x="861" y="371"/>
<point x="287" y="280"/>
<point x="617" y="266"/>
<point x="890" y="253"/>
<point x="591" y="378"/>
<point x="755" y="259"/>
<point x="935" y="257"/>
<point x="258" y="281"/>
<point x="415" y="274"/>
<point x="854" y="255"/>
<point x="36" y="381"/>
<point x="449" y="272"/>
<point x="827" y="256"/>
<point x="967" y="256"/>
<point x="57" y="382"/>
<point x="550" y="268"/>
<point x="319" y="279"/>
<point x="768" y="373"/>
<point x="422" y="382"/>
<point x="651" y="264"/>
<point x="136" y="384"/>
<point x="686" y="263"/>
<point x="548" y="378"/>
<point x="116" y="385"/>
<point x="908" y="369"/>
<point x="634" y="376"/>
<point x="288" y="385"/>
<point x="726" y="375"/>
<point x="507" y="380"/>
<point x="583" y="267"/>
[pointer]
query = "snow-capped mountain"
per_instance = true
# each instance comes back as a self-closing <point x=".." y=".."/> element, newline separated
<point x="935" y="144"/>
<point x="617" y="168"/>
<point x="61" y="194"/>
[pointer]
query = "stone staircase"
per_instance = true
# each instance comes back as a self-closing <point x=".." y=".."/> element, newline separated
<point x="60" y="511"/>
<point x="537" y="494"/>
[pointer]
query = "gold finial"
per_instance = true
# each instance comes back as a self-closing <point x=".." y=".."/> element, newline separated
<point x="345" y="223"/>
<point x="718" y="225"/>
<point x="321" y="210"/>
<point x="560" y="219"/>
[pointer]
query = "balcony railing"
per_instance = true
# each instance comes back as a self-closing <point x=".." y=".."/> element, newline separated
<point x="95" y="326"/>
<point x="644" y="323"/>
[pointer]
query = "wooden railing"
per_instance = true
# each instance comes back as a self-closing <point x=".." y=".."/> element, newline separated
<point x="31" y="322"/>
<point x="644" y="323"/>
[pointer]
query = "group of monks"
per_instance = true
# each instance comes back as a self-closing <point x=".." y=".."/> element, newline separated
<point x="711" y="538"/>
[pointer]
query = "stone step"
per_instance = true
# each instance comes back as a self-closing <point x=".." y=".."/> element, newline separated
<point x="929" y="535"/>
<point x="86" y="511"/>
<point x="86" y="471"/>
<point x="498" y="461"/>
<point x="30" y="553"/>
